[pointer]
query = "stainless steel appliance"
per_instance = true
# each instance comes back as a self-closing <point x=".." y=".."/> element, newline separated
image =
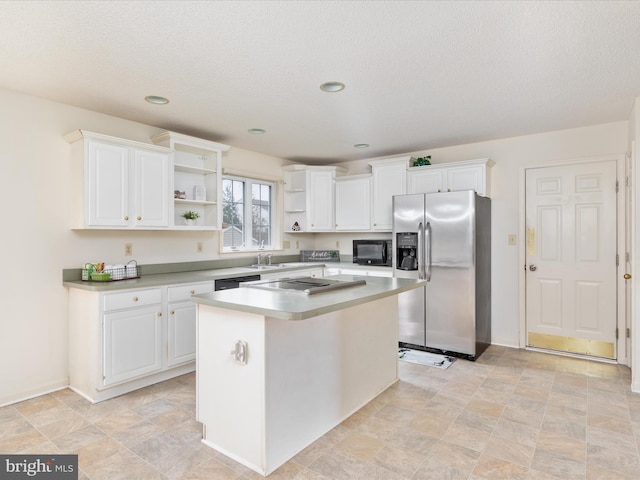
<point x="233" y="282"/>
<point x="444" y="238"/>
<point x="307" y="285"/>
<point x="372" y="252"/>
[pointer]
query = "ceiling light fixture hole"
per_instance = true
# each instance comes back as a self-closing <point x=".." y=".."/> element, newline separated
<point x="156" y="100"/>
<point x="332" y="87"/>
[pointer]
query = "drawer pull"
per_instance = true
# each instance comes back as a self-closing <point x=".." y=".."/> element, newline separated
<point x="193" y="292"/>
<point x="159" y="314"/>
<point x="126" y="217"/>
<point x="139" y="217"/>
<point x="135" y="299"/>
<point x="172" y="312"/>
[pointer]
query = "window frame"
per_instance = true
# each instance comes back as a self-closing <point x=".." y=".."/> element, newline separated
<point x="247" y="213"/>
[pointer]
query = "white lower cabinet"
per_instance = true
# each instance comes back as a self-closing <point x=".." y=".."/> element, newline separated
<point x="125" y="340"/>
<point x="181" y="323"/>
<point x="132" y="343"/>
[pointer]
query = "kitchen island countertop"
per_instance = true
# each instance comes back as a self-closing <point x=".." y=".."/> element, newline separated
<point x="288" y="305"/>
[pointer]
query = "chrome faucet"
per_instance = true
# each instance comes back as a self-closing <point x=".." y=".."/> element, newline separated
<point x="262" y="256"/>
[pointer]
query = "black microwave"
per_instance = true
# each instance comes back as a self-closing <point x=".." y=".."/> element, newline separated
<point x="372" y="252"/>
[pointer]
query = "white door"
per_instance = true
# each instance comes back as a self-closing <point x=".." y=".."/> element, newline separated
<point x="571" y="294"/>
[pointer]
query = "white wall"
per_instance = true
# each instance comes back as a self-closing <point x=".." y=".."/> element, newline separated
<point x="511" y="155"/>
<point x="37" y="243"/>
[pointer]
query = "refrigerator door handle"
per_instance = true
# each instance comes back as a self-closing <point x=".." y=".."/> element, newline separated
<point x="420" y="252"/>
<point x="427" y="247"/>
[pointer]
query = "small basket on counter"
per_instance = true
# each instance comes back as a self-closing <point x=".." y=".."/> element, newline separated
<point x="99" y="272"/>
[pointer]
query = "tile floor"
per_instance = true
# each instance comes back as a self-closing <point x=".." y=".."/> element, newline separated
<point x="513" y="414"/>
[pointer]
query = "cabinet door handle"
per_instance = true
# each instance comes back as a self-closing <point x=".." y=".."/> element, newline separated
<point x="439" y="190"/>
<point x="159" y="314"/>
<point x="193" y="292"/>
<point x="126" y="217"/>
<point x="139" y="217"/>
<point x="135" y="299"/>
<point x="172" y="312"/>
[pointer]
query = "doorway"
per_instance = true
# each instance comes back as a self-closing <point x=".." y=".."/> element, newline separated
<point x="571" y="258"/>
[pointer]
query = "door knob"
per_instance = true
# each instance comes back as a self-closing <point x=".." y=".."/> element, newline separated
<point x="627" y="276"/>
<point x="533" y="268"/>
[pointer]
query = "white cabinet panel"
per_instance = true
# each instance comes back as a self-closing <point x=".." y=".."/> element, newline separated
<point x="389" y="179"/>
<point x="107" y="185"/>
<point x="451" y="177"/>
<point x="132" y="340"/>
<point x="182" y="333"/>
<point x="426" y="180"/>
<point x="320" y="195"/>
<point x="151" y="192"/>
<point x="353" y="202"/>
<point x="118" y="183"/>
<point x="309" y="197"/>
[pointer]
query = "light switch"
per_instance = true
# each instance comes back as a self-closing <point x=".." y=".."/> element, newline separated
<point x="513" y="239"/>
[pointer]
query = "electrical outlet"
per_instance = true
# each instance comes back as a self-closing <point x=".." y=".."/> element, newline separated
<point x="512" y="239"/>
<point x="337" y="244"/>
<point x="297" y="244"/>
<point x="128" y="249"/>
<point x="199" y="247"/>
<point x="286" y="244"/>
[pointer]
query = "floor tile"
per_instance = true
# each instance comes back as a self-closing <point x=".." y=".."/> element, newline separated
<point x="512" y="414"/>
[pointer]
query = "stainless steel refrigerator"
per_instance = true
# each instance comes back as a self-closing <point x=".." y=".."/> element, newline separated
<point x="444" y="238"/>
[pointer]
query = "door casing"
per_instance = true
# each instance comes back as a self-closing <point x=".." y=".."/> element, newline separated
<point x="623" y="356"/>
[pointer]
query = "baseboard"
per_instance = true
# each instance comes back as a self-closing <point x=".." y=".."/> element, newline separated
<point x="34" y="392"/>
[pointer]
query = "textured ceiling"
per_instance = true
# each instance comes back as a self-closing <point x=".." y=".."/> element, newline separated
<point x="419" y="75"/>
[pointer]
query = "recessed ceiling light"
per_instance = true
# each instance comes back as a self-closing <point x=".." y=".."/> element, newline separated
<point x="332" y="86"/>
<point x="256" y="131"/>
<point x="156" y="100"/>
<point x="361" y="145"/>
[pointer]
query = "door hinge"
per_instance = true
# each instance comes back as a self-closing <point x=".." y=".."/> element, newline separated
<point x="617" y="186"/>
<point x="628" y="333"/>
<point x="617" y="259"/>
<point x="627" y="257"/>
<point x="617" y="332"/>
<point x="627" y="181"/>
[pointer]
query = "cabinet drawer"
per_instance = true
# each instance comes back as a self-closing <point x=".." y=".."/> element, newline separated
<point x="184" y="292"/>
<point x="132" y="298"/>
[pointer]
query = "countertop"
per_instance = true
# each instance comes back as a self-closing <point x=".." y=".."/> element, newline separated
<point x="288" y="305"/>
<point x="196" y="276"/>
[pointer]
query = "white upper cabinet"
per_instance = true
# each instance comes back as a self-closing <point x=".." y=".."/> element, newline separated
<point x="389" y="179"/>
<point x="119" y="183"/>
<point x="197" y="176"/>
<point x="353" y="202"/>
<point x="309" y="197"/>
<point x="451" y="177"/>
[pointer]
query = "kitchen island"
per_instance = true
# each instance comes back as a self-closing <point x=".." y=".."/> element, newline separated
<point x="278" y="369"/>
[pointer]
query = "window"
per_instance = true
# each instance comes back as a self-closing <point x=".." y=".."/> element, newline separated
<point x="247" y="209"/>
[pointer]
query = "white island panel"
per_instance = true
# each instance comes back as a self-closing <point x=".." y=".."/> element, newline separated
<point x="301" y="379"/>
